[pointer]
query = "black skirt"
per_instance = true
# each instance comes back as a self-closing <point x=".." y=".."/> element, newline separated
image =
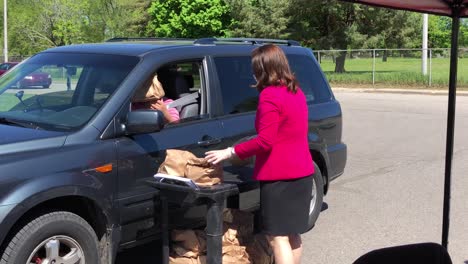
<point x="284" y="206"/>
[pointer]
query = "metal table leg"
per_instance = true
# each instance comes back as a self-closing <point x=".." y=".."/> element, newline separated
<point x="165" y="230"/>
<point x="214" y="232"/>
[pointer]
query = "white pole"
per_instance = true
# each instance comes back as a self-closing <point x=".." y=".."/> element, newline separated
<point x="373" y="67"/>
<point x="424" y="43"/>
<point x="430" y="67"/>
<point x="5" y="32"/>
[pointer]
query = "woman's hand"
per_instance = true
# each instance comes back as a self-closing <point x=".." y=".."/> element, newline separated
<point x="216" y="156"/>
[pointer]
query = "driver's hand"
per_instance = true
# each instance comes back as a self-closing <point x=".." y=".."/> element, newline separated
<point x="159" y="105"/>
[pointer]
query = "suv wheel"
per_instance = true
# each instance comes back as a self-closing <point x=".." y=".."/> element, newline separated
<point x="317" y="197"/>
<point x="59" y="237"/>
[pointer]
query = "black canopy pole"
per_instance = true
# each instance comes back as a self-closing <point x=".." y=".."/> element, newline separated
<point x="450" y="124"/>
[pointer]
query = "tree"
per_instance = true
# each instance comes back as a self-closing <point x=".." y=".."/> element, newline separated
<point x="260" y="18"/>
<point x="325" y="25"/>
<point x="121" y="18"/>
<point x="188" y="18"/>
<point x="388" y="29"/>
<point x="38" y="25"/>
<point x="337" y="25"/>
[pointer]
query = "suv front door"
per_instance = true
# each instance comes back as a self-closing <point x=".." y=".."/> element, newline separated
<point x="141" y="155"/>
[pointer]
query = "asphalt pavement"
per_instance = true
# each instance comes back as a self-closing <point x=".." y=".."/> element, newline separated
<point x="392" y="190"/>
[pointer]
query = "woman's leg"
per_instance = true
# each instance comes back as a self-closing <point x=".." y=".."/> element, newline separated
<point x="281" y="249"/>
<point x="296" y="246"/>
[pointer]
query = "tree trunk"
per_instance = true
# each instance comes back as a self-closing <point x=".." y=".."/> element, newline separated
<point x="385" y="55"/>
<point x="340" y="62"/>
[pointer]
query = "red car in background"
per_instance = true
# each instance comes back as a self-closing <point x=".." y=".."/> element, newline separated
<point x="4" y="67"/>
<point x="36" y="78"/>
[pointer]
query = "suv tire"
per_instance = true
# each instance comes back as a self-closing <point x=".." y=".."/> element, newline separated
<point x="59" y="237"/>
<point x="317" y="197"/>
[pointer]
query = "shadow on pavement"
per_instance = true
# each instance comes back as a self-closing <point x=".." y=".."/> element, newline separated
<point x="149" y="253"/>
<point x="324" y="206"/>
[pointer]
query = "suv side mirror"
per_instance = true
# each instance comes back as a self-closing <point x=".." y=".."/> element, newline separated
<point x="144" y="121"/>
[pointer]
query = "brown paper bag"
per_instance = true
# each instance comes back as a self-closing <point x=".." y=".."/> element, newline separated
<point x="175" y="162"/>
<point x="189" y="246"/>
<point x="202" y="172"/>
<point x="230" y="237"/>
<point x="236" y="254"/>
<point x="180" y="251"/>
<point x="187" y="243"/>
<point x="243" y="222"/>
<point x="201" y="236"/>
<point x="183" y="260"/>
<point x="185" y="164"/>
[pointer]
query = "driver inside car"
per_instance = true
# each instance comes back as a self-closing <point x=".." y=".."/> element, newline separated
<point x="154" y="98"/>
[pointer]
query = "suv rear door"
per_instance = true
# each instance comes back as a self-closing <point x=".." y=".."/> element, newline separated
<point x="237" y="115"/>
<point x="240" y="100"/>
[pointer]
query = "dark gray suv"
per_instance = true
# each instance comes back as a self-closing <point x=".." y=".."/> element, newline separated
<point x="75" y="159"/>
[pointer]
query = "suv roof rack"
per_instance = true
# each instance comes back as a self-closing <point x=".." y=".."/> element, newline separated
<point x="252" y="41"/>
<point x="120" y="39"/>
<point x="212" y="41"/>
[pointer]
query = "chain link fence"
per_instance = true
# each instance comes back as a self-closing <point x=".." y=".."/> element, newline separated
<point x="391" y="67"/>
<point x="13" y="58"/>
<point x="378" y="67"/>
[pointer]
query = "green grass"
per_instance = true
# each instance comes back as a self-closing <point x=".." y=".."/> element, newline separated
<point x="396" y="72"/>
<point x="7" y="100"/>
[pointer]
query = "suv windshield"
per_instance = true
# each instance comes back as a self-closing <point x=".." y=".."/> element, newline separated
<point x="57" y="91"/>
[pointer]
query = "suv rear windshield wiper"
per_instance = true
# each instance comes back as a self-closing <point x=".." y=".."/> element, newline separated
<point x="8" y="121"/>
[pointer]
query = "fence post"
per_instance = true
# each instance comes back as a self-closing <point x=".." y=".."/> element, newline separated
<point x="373" y="67"/>
<point x="430" y="67"/>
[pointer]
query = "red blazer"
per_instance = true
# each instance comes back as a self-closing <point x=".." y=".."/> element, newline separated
<point x="281" y="147"/>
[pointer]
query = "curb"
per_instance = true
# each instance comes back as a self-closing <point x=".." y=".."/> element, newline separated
<point x="397" y="91"/>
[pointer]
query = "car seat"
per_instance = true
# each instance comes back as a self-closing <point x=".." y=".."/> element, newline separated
<point x="174" y="83"/>
<point x="190" y="108"/>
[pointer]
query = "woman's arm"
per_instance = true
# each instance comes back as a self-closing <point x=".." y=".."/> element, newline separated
<point x="268" y="114"/>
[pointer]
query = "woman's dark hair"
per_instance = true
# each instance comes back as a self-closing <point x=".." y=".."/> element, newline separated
<point x="271" y="68"/>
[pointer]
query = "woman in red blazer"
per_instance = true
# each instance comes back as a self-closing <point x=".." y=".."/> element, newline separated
<point x="283" y="162"/>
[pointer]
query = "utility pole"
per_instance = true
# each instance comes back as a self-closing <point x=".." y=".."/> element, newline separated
<point x="424" y="43"/>
<point x="5" y="32"/>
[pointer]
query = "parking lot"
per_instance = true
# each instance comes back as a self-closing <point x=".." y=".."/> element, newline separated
<point x="391" y="192"/>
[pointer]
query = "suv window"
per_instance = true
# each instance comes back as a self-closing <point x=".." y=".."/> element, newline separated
<point x="236" y="80"/>
<point x="59" y="91"/>
<point x="182" y="85"/>
<point x="311" y="79"/>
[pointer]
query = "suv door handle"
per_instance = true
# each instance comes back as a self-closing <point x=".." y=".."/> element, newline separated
<point x="209" y="142"/>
